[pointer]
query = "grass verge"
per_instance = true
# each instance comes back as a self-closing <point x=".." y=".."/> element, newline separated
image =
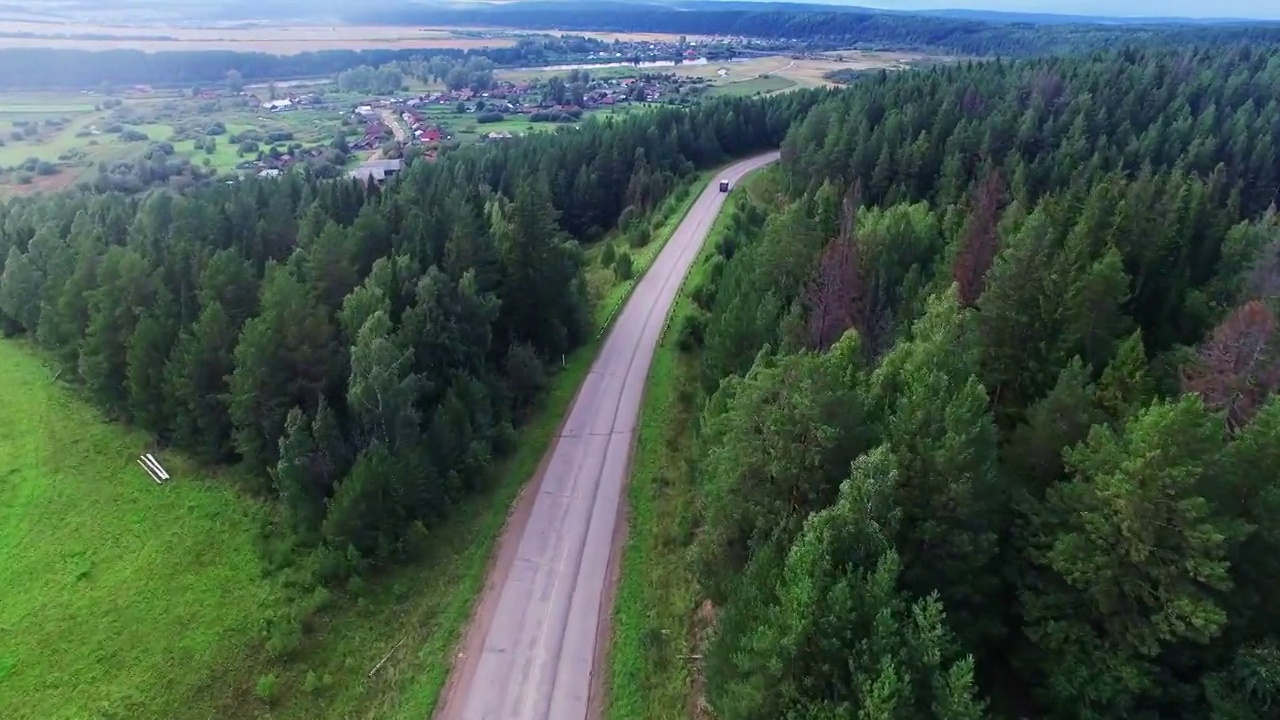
<point x="651" y="673"/>
<point x="614" y="294"/>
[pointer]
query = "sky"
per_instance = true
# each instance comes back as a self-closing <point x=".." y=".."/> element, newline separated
<point x="1252" y="9"/>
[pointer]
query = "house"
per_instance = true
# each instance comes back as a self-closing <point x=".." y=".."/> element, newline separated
<point x="269" y="173"/>
<point x="376" y="170"/>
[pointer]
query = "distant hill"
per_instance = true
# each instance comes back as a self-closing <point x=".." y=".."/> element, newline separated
<point x="767" y="6"/>
<point x="449" y="11"/>
<point x="1001" y="16"/>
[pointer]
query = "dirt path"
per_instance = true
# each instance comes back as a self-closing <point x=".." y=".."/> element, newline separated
<point x="393" y="122"/>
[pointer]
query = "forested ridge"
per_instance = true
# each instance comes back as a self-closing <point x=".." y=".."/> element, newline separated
<point x="824" y="28"/>
<point x="44" y="68"/>
<point x="363" y="355"/>
<point x="988" y="424"/>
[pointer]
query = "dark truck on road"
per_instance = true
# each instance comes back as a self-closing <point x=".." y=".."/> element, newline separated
<point x="724" y="186"/>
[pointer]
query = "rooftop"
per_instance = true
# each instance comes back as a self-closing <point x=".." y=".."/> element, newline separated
<point x="376" y="170"/>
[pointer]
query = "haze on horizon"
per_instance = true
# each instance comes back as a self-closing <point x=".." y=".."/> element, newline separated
<point x="1243" y="9"/>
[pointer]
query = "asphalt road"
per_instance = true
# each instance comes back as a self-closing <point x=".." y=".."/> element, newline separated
<point x="540" y="622"/>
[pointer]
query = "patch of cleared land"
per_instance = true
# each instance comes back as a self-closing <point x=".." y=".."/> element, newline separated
<point x="276" y="39"/>
<point x="118" y="597"/>
<point x="52" y="128"/>
<point x="465" y="129"/>
<point x="750" y="76"/>
<point x="803" y="72"/>
<point x="53" y="140"/>
<point x="636" y="36"/>
<point x="599" y="35"/>
<point x="121" y="599"/>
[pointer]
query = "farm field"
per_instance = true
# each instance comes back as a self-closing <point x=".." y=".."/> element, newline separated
<point x="465" y="128"/>
<point x="276" y="39"/>
<point x="760" y="85"/>
<point x="802" y="72"/>
<point x="110" y="582"/>
<point x="758" y="75"/>
<point x="53" y="128"/>
<point x="53" y="140"/>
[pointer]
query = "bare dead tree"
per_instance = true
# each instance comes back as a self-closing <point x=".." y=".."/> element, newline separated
<point x="1048" y="86"/>
<point x="1238" y="367"/>
<point x="829" y="295"/>
<point x="832" y="293"/>
<point x="972" y="103"/>
<point x="981" y="240"/>
<point x="845" y="291"/>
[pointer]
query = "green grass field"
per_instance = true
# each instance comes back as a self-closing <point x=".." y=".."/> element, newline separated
<point x="78" y="155"/>
<point x="463" y="126"/>
<point x="762" y="85"/>
<point x="118" y="597"/>
<point x="652" y="673"/>
<point x="123" y="599"/>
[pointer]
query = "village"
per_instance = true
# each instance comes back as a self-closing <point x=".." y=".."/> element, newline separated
<point x="380" y="129"/>
<point x="432" y="119"/>
<point x="427" y="118"/>
<point x="372" y="135"/>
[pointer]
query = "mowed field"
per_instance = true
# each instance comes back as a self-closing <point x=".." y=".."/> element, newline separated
<point x="118" y="597"/>
<point x="754" y="76"/>
<point x="276" y="39"/>
<point x="802" y="72"/>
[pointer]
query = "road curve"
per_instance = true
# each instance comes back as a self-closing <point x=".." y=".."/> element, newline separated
<point x="532" y="644"/>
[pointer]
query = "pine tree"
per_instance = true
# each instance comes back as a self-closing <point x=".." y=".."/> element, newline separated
<point x="147" y="351"/>
<point x="840" y="638"/>
<point x="20" y="286"/>
<point x="934" y="414"/>
<point x="125" y="290"/>
<point x="294" y="474"/>
<point x="1135" y="561"/>
<point x="779" y="442"/>
<point x="284" y="359"/>
<point x="981" y="242"/>
<point x="1054" y="424"/>
<point x="1126" y="387"/>
<point x="196" y="381"/>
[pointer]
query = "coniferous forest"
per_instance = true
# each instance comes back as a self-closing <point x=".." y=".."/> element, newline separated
<point x="819" y="26"/>
<point x="989" y="424"/>
<point x="364" y="353"/>
<point x="985" y="369"/>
